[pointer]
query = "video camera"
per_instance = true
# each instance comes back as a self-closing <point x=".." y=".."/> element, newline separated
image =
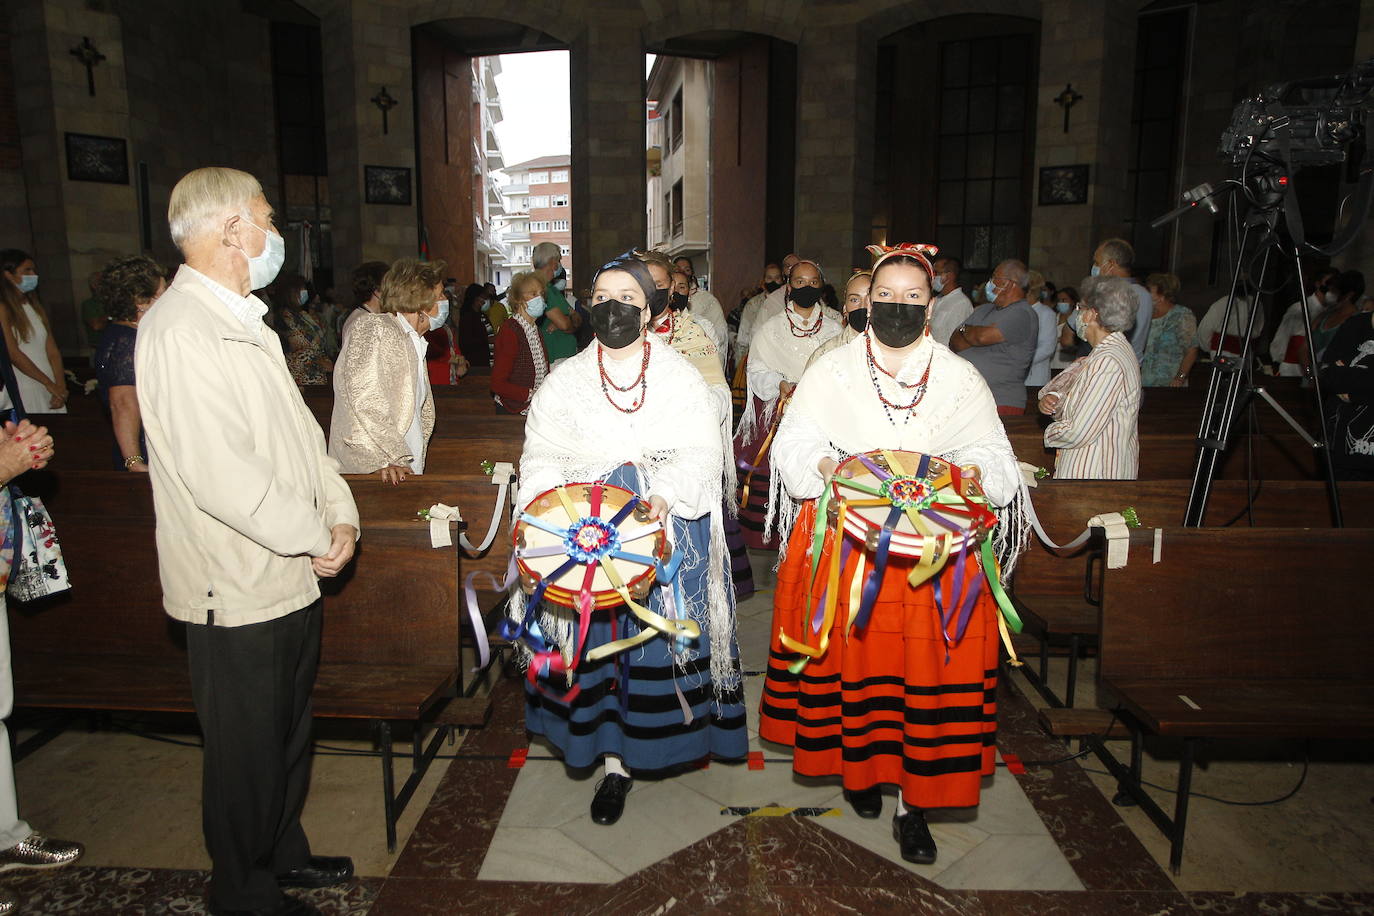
<point x="1324" y="116"/>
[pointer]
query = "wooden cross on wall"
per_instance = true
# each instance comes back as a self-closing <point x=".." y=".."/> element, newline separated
<point x="89" y="56"/>
<point x="1067" y="99"/>
<point x="385" y="103"/>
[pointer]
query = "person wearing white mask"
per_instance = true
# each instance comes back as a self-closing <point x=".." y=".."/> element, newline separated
<point x="952" y="306"/>
<point x="37" y="362"/>
<point x="1116" y="258"/>
<point x="251" y="514"/>
<point x="383" y="405"/>
<point x="1290" y="339"/>
<point x="521" y="362"/>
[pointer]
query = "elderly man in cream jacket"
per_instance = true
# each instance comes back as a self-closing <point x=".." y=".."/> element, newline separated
<point x="251" y="513"/>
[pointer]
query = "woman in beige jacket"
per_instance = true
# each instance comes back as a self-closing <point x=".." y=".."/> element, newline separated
<point x="383" y="406"/>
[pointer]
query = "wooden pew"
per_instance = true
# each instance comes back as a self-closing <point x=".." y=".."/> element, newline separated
<point x="1274" y="648"/>
<point x="1058" y="597"/>
<point x="392" y="644"/>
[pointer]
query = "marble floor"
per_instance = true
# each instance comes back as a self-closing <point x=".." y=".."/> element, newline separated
<point x="485" y="833"/>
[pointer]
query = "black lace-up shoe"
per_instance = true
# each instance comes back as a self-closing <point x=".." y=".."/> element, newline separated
<point x="609" y="802"/>
<point x="867" y="803"/>
<point x="913" y="835"/>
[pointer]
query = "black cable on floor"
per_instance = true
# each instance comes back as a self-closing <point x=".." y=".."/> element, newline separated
<point x="1227" y="801"/>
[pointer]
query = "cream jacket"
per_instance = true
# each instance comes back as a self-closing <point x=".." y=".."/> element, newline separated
<point x="374" y="396"/>
<point x="244" y="492"/>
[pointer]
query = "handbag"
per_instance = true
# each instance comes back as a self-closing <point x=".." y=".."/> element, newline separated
<point x="38" y="569"/>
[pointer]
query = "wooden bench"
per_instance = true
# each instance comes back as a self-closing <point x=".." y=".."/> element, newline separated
<point x="1057" y="597"/>
<point x="1275" y="648"/>
<point x="392" y="641"/>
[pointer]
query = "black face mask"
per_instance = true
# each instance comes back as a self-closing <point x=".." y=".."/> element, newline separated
<point x="677" y="302"/>
<point x="771" y="285"/>
<point x="806" y="297"/>
<point x="658" y="302"/>
<point x="895" y="324"/>
<point x="858" y="319"/>
<point x="616" y="323"/>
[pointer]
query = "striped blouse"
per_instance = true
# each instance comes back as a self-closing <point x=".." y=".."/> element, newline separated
<point x="1094" y="425"/>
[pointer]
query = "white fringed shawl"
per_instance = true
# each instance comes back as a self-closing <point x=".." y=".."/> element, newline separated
<point x="835" y="412"/>
<point x="574" y="434"/>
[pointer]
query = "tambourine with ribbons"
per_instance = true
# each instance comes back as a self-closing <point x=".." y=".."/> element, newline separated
<point x="885" y="503"/>
<point x="587" y="546"/>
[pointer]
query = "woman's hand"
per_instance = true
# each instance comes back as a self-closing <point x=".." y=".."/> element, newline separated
<point x="827" y="467"/>
<point x="785" y="388"/>
<point x="394" y="473"/>
<point x="58" y="392"/>
<point x="1177" y="382"/>
<point x="25" y="447"/>
<point x="658" y="509"/>
<point x="1049" y="404"/>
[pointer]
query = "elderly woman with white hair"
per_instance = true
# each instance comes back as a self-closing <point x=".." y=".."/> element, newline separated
<point x="1096" y="401"/>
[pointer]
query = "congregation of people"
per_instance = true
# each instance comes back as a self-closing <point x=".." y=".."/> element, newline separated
<point x="728" y="425"/>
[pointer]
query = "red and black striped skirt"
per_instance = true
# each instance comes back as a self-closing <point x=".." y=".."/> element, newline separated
<point x="891" y="704"/>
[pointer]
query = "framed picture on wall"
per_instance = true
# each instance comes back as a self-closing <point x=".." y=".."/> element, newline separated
<point x="1063" y="184"/>
<point x="384" y="184"/>
<point x="92" y="158"/>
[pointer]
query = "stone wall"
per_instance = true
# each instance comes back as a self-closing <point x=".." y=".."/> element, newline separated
<point x="14" y="202"/>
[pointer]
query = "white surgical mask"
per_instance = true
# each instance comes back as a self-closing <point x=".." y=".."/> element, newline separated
<point x="1063" y="307"/>
<point x="939" y="284"/>
<point x="437" y="321"/>
<point x="304" y="297"/>
<point x="28" y="283"/>
<point x="536" y="307"/>
<point x="1330" y="298"/>
<point x="1096" y="271"/>
<point x="990" y="290"/>
<point x="264" y="268"/>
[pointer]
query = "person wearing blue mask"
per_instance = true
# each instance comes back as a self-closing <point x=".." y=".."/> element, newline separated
<point x="302" y="333"/>
<point x="521" y="361"/>
<point x="952" y="306"/>
<point x="251" y="514"/>
<point x="1115" y="258"/>
<point x="560" y="322"/>
<point x="28" y="334"/>
<point x="999" y="336"/>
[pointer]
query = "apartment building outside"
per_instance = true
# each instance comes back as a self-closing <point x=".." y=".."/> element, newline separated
<point x="538" y="208"/>
<point x="678" y="136"/>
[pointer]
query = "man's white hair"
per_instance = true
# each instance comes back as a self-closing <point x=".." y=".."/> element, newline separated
<point x="205" y="197"/>
<point x="1016" y="272"/>
<point x="545" y="252"/>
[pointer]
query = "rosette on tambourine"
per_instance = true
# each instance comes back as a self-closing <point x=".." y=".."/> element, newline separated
<point x="928" y="506"/>
<point x="588" y="538"/>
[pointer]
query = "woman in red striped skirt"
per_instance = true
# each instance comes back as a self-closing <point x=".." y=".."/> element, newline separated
<point x="892" y="703"/>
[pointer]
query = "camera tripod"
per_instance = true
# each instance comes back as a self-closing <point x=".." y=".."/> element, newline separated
<point x="1231" y="386"/>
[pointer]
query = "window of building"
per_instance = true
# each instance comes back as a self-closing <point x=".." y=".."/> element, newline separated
<point x="538" y="202"/>
<point x="560" y="225"/>
<point x="559" y="177"/>
<point x="539" y="177"/>
<point x="667" y="214"/>
<point x="677" y="119"/>
<point x="677" y="209"/>
<point x="981" y="199"/>
<point x="558" y="200"/>
<point x="539" y="225"/>
<point x="1160" y="62"/>
<point x="565" y="249"/>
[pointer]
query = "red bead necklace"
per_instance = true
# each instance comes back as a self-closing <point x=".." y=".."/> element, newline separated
<point x="642" y="381"/>
<point x="670" y="325"/>
<point x="888" y="406"/>
<point x="802" y="330"/>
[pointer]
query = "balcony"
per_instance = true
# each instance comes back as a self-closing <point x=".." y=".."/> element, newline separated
<point x="515" y="190"/>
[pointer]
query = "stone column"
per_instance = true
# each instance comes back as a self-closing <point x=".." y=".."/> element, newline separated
<point x="606" y="71"/>
<point x="1091" y="44"/>
<point x="835" y="119"/>
<point x="366" y="45"/>
<point x="77" y="225"/>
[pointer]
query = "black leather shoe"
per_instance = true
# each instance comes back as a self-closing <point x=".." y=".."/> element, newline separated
<point x="318" y="871"/>
<point x="867" y="803"/>
<point x="289" y="906"/>
<point x="609" y="802"/>
<point x="913" y="835"/>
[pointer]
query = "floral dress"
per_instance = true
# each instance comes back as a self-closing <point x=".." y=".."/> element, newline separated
<point x="1171" y="336"/>
<point x="305" y="341"/>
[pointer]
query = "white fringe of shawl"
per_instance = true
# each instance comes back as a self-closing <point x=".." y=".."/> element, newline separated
<point x="714" y="611"/>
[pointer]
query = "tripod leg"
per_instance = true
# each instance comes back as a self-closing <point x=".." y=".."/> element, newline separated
<point x="1328" y="469"/>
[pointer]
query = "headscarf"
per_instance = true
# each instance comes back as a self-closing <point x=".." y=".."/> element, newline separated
<point x="633" y="266"/>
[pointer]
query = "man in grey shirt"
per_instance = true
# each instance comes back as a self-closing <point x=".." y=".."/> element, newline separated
<point x="1115" y="258"/>
<point x="999" y="337"/>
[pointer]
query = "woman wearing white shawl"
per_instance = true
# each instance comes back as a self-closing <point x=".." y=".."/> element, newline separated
<point x="891" y="703"/>
<point x="630" y="411"/>
<point x="777" y="359"/>
<point x="854" y="314"/>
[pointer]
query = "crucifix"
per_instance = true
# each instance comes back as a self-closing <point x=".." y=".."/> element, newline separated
<point x="384" y="103"/>
<point x="1067" y="99"/>
<point x="89" y="56"/>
